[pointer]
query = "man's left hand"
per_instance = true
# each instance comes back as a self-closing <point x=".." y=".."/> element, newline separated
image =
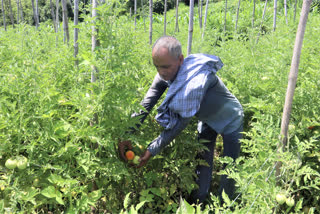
<point x="144" y="158"/>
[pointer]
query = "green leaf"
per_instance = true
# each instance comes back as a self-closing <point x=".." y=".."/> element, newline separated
<point x="226" y="198"/>
<point x="49" y="192"/>
<point x="127" y="200"/>
<point x="185" y="207"/>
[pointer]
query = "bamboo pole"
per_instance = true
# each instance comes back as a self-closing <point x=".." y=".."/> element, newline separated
<point x="285" y="11"/>
<point x="191" y="12"/>
<point x="36" y="20"/>
<point x="274" y="15"/>
<point x="11" y="14"/>
<point x="135" y="14"/>
<point x="238" y="9"/>
<point x="95" y="43"/>
<point x="295" y="11"/>
<point x="165" y="18"/>
<point x="53" y="17"/>
<point x="253" y="12"/>
<point x="264" y="12"/>
<point x="150" y="24"/>
<point x="76" y="30"/>
<point x="65" y="21"/>
<point x="292" y="80"/>
<point x="21" y="11"/>
<point x="144" y="20"/>
<point x="205" y="18"/>
<point x="177" y="17"/>
<point x="18" y="8"/>
<point x="225" y="17"/>
<point x="200" y="13"/>
<point x="4" y="16"/>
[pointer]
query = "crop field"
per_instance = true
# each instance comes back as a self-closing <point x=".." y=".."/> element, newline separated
<point x="59" y="130"/>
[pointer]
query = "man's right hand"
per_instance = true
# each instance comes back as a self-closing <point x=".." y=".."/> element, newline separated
<point x="122" y="147"/>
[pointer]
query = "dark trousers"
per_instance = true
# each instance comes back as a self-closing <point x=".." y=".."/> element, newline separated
<point x="231" y="148"/>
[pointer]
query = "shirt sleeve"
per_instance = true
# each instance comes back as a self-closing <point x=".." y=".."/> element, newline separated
<point x="154" y="93"/>
<point x="167" y="136"/>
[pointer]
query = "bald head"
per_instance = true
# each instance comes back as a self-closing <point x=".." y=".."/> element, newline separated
<point x="170" y="43"/>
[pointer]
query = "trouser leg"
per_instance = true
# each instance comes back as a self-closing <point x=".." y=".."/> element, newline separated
<point x="231" y="148"/>
<point x="204" y="173"/>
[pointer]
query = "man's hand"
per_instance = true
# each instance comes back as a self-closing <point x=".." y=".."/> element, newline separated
<point x="122" y="145"/>
<point x="144" y="158"/>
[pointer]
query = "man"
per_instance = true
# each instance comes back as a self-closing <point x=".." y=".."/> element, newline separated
<point x="194" y="90"/>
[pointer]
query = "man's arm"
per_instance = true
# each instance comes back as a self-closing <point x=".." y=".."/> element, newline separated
<point x="163" y="140"/>
<point x="154" y="93"/>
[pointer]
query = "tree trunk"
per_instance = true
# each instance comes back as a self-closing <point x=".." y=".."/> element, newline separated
<point x="135" y="14"/>
<point x="253" y="12"/>
<point x="11" y="13"/>
<point x="205" y="18"/>
<point x="65" y="21"/>
<point x="177" y="17"/>
<point x="275" y="15"/>
<point x="150" y="24"/>
<point x="238" y="9"/>
<point x="285" y="11"/>
<point x="52" y="15"/>
<point x="165" y="18"/>
<point x="292" y="80"/>
<point x="191" y="12"/>
<point x="264" y="12"/>
<point x="225" y="17"/>
<point x="76" y="29"/>
<point x="4" y="16"/>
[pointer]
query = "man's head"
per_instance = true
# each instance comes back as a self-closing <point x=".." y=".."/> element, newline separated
<point x="167" y="57"/>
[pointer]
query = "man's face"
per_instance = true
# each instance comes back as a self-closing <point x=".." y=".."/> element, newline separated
<point x="167" y="65"/>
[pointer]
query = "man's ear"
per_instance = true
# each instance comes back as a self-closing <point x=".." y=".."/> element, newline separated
<point x="181" y="59"/>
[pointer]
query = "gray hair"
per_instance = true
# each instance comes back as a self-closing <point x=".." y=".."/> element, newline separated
<point x="171" y="43"/>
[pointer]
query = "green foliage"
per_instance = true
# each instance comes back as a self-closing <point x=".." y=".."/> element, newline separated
<point x="47" y="105"/>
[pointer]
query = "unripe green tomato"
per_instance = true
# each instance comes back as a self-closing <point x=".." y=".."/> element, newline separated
<point x="22" y="162"/>
<point x="11" y="163"/>
<point x="281" y="198"/>
<point x="136" y="160"/>
<point x="290" y="202"/>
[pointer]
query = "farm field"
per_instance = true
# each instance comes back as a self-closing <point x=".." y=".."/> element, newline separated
<point x="63" y="162"/>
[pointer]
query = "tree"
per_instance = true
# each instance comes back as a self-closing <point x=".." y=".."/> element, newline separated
<point x="292" y="80"/>
<point x="191" y="12"/>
